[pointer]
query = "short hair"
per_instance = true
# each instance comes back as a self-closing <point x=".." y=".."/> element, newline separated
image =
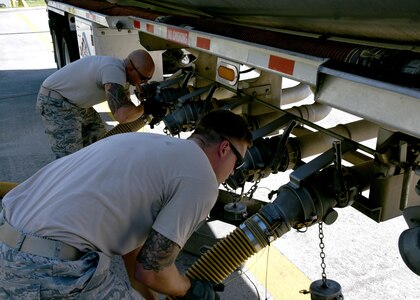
<point x="223" y="123"/>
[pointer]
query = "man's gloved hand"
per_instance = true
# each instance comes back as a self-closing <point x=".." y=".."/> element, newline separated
<point x="154" y="108"/>
<point x="200" y="290"/>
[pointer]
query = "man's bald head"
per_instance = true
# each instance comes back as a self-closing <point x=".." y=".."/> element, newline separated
<point x="142" y="62"/>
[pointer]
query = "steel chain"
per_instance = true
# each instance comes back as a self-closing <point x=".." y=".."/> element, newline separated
<point x="322" y="254"/>
<point x="235" y="197"/>
<point x="239" y="197"/>
<point x="252" y="189"/>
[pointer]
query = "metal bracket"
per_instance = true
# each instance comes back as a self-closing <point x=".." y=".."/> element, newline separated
<point x="258" y="90"/>
<point x="317" y="164"/>
<point x="270" y="127"/>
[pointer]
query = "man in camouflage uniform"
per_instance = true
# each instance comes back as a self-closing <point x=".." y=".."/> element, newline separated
<point x="66" y="98"/>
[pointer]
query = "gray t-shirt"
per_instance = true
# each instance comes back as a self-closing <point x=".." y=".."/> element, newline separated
<point x="109" y="195"/>
<point x="81" y="82"/>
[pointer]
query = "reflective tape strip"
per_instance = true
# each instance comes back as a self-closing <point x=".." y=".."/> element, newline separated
<point x="91" y="17"/>
<point x="150" y="28"/>
<point x="273" y="62"/>
<point x="281" y="64"/>
<point x="203" y="43"/>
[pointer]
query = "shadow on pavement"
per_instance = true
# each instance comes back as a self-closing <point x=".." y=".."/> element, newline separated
<point x="23" y="145"/>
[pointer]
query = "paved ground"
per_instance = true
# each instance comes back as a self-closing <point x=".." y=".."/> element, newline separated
<point x="360" y="254"/>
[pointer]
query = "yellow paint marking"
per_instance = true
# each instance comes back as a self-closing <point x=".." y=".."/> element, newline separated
<point x="282" y="278"/>
<point x="45" y="37"/>
<point x="102" y="107"/>
<point x="6" y="187"/>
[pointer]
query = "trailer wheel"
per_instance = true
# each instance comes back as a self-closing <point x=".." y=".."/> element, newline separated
<point x="70" y="50"/>
<point x="56" y="37"/>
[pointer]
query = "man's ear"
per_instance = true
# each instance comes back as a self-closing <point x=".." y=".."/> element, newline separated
<point x="222" y="149"/>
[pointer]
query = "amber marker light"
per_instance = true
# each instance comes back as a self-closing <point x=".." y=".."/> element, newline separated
<point x="228" y="73"/>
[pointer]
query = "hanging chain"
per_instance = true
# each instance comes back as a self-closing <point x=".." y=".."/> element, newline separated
<point x="322" y="254"/>
<point x="252" y="189"/>
<point x="324" y="288"/>
<point x="235" y="197"/>
<point x="239" y="197"/>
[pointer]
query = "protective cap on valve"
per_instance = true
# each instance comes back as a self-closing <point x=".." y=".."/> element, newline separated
<point x="409" y="241"/>
<point x="409" y="246"/>
<point x="325" y="290"/>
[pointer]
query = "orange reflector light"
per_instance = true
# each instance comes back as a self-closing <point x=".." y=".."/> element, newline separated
<point x="227" y="73"/>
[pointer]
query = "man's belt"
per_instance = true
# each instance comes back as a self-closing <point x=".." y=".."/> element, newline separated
<point x="50" y="93"/>
<point x="37" y="245"/>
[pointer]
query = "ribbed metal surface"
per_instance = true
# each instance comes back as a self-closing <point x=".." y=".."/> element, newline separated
<point x="223" y="258"/>
<point x="386" y="20"/>
<point x="127" y="127"/>
<point x="304" y="45"/>
<point x="387" y="60"/>
<point x="229" y="253"/>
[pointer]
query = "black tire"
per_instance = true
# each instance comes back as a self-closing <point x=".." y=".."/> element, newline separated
<point x="56" y="40"/>
<point x="69" y="46"/>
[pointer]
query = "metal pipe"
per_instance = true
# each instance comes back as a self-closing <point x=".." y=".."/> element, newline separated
<point x="295" y="94"/>
<point x="317" y="142"/>
<point x="310" y="112"/>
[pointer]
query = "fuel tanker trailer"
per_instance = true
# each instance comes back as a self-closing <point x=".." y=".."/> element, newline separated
<point x="285" y="66"/>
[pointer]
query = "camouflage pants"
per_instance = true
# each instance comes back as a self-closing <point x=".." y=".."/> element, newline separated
<point x="69" y="128"/>
<point x="27" y="276"/>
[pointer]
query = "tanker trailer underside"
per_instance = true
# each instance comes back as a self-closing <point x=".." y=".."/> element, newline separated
<point x="287" y="82"/>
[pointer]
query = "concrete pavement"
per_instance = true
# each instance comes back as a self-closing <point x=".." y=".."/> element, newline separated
<point x="25" y="61"/>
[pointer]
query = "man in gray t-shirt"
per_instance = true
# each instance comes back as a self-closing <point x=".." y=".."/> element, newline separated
<point x="66" y="98"/>
<point x="138" y="195"/>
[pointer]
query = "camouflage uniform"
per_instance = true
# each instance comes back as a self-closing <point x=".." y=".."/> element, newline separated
<point x="69" y="128"/>
<point x="38" y="277"/>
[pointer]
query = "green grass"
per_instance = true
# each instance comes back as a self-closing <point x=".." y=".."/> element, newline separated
<point x="30" y="3"/>
<point x="34" y="3"/>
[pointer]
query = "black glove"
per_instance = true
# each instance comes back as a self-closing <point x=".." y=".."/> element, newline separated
<point x="200" y="290"/>
<point x="154" y="108"/>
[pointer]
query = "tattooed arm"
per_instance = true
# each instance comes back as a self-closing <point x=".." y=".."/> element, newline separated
<point x="122" y="108"/>
<point x="130" y="265"/>
<point x="156" y="267"/>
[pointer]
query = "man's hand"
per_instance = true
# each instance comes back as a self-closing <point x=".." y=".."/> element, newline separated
<point x="200" y="290"/>
<point x="154" y="108"/>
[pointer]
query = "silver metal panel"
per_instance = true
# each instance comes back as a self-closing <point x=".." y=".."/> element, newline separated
<point x="393" y="109"/>
<point x="83" y="13"/>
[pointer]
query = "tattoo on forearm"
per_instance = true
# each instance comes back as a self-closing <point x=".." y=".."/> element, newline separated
<point x="158" y="252"/>
<point x="116" y="96"/>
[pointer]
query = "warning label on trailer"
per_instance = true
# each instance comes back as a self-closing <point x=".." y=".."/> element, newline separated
<point x="177" y="35"/>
